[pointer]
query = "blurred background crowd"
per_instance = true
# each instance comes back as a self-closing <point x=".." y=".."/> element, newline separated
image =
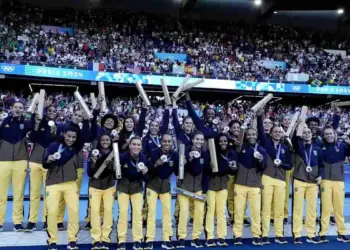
<point x="128" y="42"/>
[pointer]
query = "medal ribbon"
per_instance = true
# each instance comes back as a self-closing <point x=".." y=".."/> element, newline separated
<point x="278" y="152"/>
<point x="308" y="156"/>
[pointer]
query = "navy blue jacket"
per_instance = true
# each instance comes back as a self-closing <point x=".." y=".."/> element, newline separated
<point x="180" y="133"/>
<point x="13" y="132"/>
<point x="148" y="145"/>
<point x="209" y="130"/>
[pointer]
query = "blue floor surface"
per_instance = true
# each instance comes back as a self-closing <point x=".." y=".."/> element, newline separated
<point x="246" y="245"/>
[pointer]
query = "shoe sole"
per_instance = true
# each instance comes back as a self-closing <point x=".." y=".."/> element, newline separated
<point x="180" y="247"/>
<point x="298" y="243"/>
<point x="312" y="242"/>
<point x="281" y="242"/>
<point x="194" y="245"/>
<point x="344" y="241"/>
<point x="18" y="231"/>
<point x="222" y="245"/>
<point x="168" y="248"/>
<point x="265" y="243"/>
<point x="257" y="244"/>
<point x="210" y="245"/>
<point x="29" y="231"/>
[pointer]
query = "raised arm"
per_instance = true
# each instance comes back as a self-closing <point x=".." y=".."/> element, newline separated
<point x="165" y="123"/>
<point x="262" y="137"/>
<point x="176" y="123"/>
<point x="142" y="121"/>
<point x="197" y="121"/>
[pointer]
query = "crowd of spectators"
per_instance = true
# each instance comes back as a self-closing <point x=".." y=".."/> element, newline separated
<point x="127" y="41"/>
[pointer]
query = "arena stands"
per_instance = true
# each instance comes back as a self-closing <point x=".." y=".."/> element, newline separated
<point x="131" y="42"/>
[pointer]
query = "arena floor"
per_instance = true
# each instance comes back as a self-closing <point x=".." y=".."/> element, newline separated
<point x="37" y="240"/>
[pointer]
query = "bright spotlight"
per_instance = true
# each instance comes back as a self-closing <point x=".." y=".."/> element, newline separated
<point x="340" y="11"/>
<point x="257" y="2"/>
<point x="275" y="12"/>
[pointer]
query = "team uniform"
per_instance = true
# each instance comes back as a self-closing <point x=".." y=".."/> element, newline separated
<point x="13" y="165"/>
<point x="274" y="184"/>
<point x="248" y="188"/>
<point x="332" y="188"/>
<point x="85" y="136"/>
<point x="305" y="188"/>
<point x="217" y="196"/>
<point x="61" y="184"/>
<point x="184" y="138"/>
<point x="101" y="190"/>
<point x="192" y="182"/>
<point x="41" y="139"/>
<point x="158" y="185"/>
<point x="130" y="188"/>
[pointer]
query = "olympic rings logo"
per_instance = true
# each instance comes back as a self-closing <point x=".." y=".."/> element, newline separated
<point x="296" y="88"/>
<point x="8" y="68"/>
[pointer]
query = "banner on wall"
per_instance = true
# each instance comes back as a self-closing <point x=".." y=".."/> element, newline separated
<point x="175" y="81"/>
<point x="297" y="77"/>
<point x="171" y="56"/>
<point x="269" y="64"/>
<point x="57" y="29"/>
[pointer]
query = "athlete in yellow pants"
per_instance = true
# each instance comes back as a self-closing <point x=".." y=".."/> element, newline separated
<point x="15" y="172"/>
<point x="13" y="163"/>
<point x="101" y="189"/>
<point x="88" y="215"/>
<point x="101" y="236"/>
<point x="69" y="192"/>
<point x="197" y="159"/>
<point x="177" y="209"/>
<point x="333" y="192"/>
<point x="165" y="199"/>
<point x="230" y="201"/>
<point x="130" y="187"/>
<point x="217" y="192"/>
<point x="43" y="134"/>
<point x="251" y="161"/>
<point x="62" y="203"/>
<point x="332" y="186"/>
<point x="308" y="191"/>
<point x="253" y="196"/>
<point x="37" y="180"/>
<point x="273" y="181"/>
<point x="164" y="161"/>
<point x="61" y="159"/>
<point x="81" y="122"/>
<point x="307" y="175"/>
<point x="289" y="176"/>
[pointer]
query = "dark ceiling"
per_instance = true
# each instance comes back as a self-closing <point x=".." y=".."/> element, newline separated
<point x="313" y="13"/>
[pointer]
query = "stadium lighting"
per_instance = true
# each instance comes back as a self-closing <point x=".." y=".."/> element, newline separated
<point x="257" y="2"/>
<point x="275" y="12"/>
<point x="340" y="11"/>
